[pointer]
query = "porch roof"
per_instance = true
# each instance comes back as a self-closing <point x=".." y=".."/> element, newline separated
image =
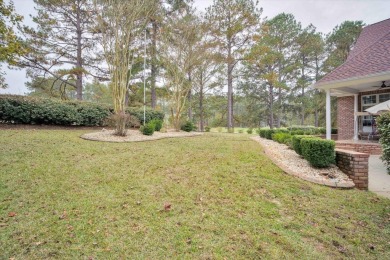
<point x="367" y="65"/>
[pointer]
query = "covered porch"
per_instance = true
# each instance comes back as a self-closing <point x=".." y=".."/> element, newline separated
<point x="354" y="96"/>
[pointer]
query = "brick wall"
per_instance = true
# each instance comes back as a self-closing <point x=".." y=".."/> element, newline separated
<point x="355" y="165"/>
<point x="369" y="148"/>
<point x="345" y="117"/>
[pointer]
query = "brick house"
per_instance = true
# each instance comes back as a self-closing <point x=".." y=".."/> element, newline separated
<point x="362" y="81"/>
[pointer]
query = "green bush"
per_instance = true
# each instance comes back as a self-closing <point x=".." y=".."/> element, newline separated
<point x="334" y="131"/>
<point x="148" y="129"/>
<point x="281" y="137"/>
<point x="240" y="131"/>
<point x="296" y="142"/>
<point x="258" y="131"/>
<point x="318" y="152"/>
<point x="249" y="131"/>
<point x="29" y="110"/>
<point x="149" y="114"/>
<point x="207" y="129"/>
<point x="188" y="126"/>
<point x="158" y="123"/>
<point x="383" y="124"/>
<point x="268" y="133"/>
<point x="262" y="132"/>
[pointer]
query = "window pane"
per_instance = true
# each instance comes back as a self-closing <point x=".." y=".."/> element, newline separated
<point x="369" y="99"/>
<point x="384" y="97"/>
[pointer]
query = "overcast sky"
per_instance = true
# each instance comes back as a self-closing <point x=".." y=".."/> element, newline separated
<point x="324" y="14"/>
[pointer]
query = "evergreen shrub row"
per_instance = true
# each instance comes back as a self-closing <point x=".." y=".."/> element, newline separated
<point x="383" y="124"/>
<point x="318" y="152"/>
<point x="29" y="110"/>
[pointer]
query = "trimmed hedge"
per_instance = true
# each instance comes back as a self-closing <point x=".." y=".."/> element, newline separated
<point x="281" y="137"/>
<point x="157" y="124"/>
<point x="29" y="110"/>
<point x="296" y="142"/>
<point x="318" y="152"/>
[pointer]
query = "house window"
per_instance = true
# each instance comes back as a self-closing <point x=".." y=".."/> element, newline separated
<point x="367" y="102"/>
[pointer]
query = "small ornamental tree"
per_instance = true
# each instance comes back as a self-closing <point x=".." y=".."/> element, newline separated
<point x="384" y="129"/>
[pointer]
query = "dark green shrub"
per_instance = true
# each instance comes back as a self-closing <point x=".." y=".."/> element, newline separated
<point x="188" y="126"/>
<point x="268" y="133"/>
<point x="296" y="142"/>
<point x="383" y="123"/>
<point x="249" y="131"/>
<point x="318" y="152"/>
<point x="158" y="123"/>
<point x="281" y="137"/>
<point x="149" y="114"/>
<point x="240" y="131"/>
<point x="29" y="110"/>
<point x="207" y="129"/>
<point x="262" y="132"/>
<point x="258" y="131"/>
<point x="147" y="129"/>
<point x="334" y="131"/>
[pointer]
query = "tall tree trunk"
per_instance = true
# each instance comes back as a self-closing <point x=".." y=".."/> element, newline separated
<point x="271" y="106"/>
<point x="316" y="117"/>
<point x="79" y="62"/>
<point x="201" y="112"/>
<point x="153" y="71"/>
<point x="303" y="95"/>
<point x="190" y="98"/>
<point x="230" y="90"/>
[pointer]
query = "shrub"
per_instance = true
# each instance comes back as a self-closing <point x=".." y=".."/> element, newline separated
<point x="29" y="110"/>
<point x="207" y="129"/>
<point x="147" y="129"/>
<point x="219" y="129"/>
<point x="262" y="132"/>
<point x="296" y="142"/>
<point x="240" y="131"/>
<point x="268" y="133"/>
<point x="149" y="114"/>
<point x="281" y="137"/>
<point x="318" y="152"/>
<point x="188" y="126"/>
<point x="334" y="131"/>
<point x="258" y="131"/>
<point x="384" y="129"/>
<point x="230" y="130"/>
<point x="158" y="123"/>
<point x="249" y="131"/>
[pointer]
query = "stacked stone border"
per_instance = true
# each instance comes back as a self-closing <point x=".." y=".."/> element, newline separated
<point x="355" y="165"/>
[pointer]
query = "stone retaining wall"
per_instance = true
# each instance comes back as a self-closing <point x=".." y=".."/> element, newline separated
<point x="355" y="165"/>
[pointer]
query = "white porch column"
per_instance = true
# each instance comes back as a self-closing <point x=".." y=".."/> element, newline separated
<point x="328" y="119"/>
<point x="355" y="122"/>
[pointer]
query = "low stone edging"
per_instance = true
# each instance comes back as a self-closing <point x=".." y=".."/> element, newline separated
<point x="286" y="169"/>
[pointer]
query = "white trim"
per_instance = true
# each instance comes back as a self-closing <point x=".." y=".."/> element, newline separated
<point x="328" y="115"/>
<point x="355" y="118"/>
<point x="350" y="82"/>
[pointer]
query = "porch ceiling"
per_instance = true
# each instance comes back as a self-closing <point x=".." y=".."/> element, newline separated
<point x="353" y="86"/>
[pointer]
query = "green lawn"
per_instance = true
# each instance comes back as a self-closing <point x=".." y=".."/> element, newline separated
<point x="78" y="199"/>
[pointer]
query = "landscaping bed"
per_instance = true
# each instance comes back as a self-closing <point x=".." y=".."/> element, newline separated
<point x="296" y="165"/>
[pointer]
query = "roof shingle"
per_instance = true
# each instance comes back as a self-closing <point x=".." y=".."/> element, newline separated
<point x="371" y="55"/>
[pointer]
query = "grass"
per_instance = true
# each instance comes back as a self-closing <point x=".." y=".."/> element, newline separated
<point x="237" y="130"/>
<point x="78" y="199"/>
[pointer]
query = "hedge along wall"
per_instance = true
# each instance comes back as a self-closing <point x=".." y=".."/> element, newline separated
<point x="28" y="110"/>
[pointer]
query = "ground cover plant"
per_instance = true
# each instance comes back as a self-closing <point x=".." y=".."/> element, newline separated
<point x="213" y="196"/>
